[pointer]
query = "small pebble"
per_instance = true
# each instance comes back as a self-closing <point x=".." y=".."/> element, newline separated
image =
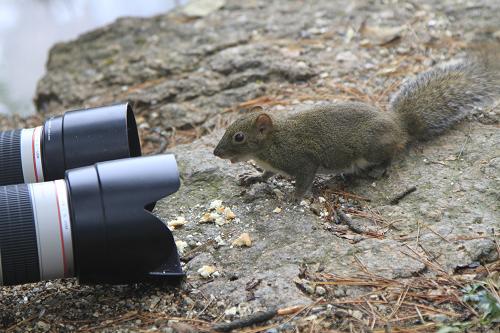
<point x="231" y="311"/>
<point x="320" y="291"/>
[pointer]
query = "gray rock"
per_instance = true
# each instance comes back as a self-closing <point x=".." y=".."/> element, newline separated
<point x="202" y="7"/>
<point x="186" y="72"/>
<point x="43" y="326"/>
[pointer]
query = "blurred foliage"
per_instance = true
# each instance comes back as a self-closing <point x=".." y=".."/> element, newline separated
<point x="484" y="298"/>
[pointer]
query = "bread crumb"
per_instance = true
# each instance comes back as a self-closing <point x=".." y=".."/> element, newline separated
<point x="243" y="240"/>
<point x="207" y="271"/>
<point x="176" y="223"/>
<point x="181" y="246"/>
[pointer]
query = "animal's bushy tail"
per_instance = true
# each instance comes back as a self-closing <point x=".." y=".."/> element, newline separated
<point x="440" y="97"/>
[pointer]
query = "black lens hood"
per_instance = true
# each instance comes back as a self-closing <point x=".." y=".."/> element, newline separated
<point x="115" y="238"/>
<point x="83" y="137"/>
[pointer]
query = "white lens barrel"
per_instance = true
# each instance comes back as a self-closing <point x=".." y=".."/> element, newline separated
<point x="53" y="229"/>
<point x="31" y="154"/>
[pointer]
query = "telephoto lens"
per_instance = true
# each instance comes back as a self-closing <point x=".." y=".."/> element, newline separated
<point x="95" y="225"/>
<point x="77" y="138"/>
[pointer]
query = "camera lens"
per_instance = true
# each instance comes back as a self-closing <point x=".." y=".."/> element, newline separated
<point x="93" y="225"/>
<point x="78" y="138"/>
<point x="35" y="233"/>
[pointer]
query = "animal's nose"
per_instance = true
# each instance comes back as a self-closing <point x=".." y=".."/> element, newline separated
<point x="218" y="152"/>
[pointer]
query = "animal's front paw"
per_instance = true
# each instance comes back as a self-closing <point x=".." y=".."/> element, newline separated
<point x="304" y="200"/>
<point x="302" y="197"/>
<point x="248" y="179"/>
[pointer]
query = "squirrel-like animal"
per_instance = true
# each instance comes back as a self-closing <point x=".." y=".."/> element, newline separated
<point x="352" y="136"/>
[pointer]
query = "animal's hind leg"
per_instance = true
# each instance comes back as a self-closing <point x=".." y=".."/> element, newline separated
<point x="380" y="160"/>
<point x="378" y="170"/>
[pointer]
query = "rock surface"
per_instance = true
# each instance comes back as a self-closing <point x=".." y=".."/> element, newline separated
<point x="196" y="74"/>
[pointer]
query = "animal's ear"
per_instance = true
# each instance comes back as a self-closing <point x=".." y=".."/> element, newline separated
<point x="257" y="108"/>
<point x="264" y="124"/>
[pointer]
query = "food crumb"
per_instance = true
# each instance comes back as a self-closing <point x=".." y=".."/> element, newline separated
<point x="228" y="213"/>
<point x="207" y="271"/>
<point x="217" y="213"/>
<point x="243" y="240"/>
<point x="181" y="246"/>
<point x="176" y="223"/>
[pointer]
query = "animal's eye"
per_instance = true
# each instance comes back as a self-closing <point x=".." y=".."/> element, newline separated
<point x="239" y="137"/>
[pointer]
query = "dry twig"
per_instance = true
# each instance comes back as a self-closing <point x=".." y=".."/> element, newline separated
<point x="246" y="321"/>
<point x="397" y="198"/>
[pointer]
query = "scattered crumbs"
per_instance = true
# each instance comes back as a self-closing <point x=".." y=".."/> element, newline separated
<point x="217" y="213"/>
<point x="176" y="223"/>
<point x="243" y="240"/>
<point x="215" y="204"/>
<point x="220" y="242"/>
<point x="228" y="213"/>
<point x="207" y="271"/>
<point x="220" y="220"/>
<point x="208" y="217"/>
<point x="277" y="210"/>
<point x="181" y="246"/>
